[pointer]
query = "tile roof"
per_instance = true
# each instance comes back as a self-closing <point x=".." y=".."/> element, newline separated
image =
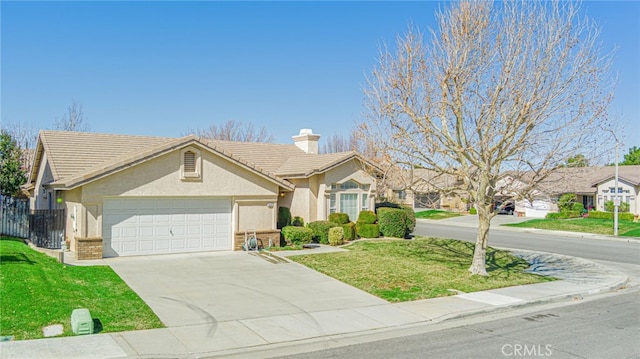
<point x="72" y="153"/>
<point x="78" y="157"/>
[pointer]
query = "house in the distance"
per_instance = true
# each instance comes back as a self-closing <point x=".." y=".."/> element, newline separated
<point x="593" y="187"/>
<point x="139" y="195"/>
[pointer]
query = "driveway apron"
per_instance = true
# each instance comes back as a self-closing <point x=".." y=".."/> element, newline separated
<point x="205" y="288"/>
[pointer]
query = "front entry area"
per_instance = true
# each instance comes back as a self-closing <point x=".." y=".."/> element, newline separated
<point x="160" y="225"/>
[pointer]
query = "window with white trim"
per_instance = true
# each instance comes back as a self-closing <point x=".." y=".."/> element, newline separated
<point x="348" y="197"/>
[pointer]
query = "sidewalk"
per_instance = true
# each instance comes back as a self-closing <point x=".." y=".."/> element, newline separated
<point x="234" y="337"/>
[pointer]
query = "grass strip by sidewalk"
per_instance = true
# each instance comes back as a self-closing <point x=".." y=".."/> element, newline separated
<point x="402" y="270"/>
<point x="583" y="225"/>
<point x="436" y="214"/>
<point x="37" y="291"/>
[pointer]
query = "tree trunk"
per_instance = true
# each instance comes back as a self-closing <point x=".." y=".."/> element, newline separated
<point x="478" y="265"/>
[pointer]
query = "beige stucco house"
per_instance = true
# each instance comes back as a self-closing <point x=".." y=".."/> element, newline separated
<point x="138" y="195"/>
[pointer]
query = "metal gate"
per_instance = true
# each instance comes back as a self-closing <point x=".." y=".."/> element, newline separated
<point x="47" y="227"/>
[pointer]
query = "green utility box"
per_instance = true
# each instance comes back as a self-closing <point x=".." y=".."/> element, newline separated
<point x="81" y="321"/>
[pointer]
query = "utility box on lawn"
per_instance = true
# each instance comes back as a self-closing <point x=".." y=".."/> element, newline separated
<point x="81" y="321"/>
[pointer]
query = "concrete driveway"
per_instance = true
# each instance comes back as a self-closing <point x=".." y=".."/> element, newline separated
<point x="203" y="288"/>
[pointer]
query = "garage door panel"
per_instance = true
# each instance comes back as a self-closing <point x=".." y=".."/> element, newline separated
<point x="166" y="225"/>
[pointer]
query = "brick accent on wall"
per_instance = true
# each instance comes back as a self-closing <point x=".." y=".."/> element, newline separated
<point x="89" y="248"/>
<point x="263" y="239"/>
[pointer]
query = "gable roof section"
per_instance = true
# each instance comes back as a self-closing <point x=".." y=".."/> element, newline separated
<point x="77" y="158"/>
<point x="71" y="153"/>
<point x="306" y="165"/>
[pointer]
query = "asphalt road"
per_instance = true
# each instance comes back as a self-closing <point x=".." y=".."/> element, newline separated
<point x="621" y="251"/>
<point x="606" y="327"/>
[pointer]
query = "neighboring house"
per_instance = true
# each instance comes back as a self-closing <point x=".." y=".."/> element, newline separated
<point x="149" y="195"/>
<point x="593" y="187"/>
<point x="424" y="189"/>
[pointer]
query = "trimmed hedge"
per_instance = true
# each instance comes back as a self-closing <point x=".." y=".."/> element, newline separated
<point x="564" y="215"/>
<point x="624" y="216"/>
<point x="321" y="230"/>
<point x="339" y="218"/>
<point x="284" y="217"/>
<point x="336" y="236"/>
<point x="411" y="219"/>
<point x="367" y="217"/>
<point x="297" y="221"/>
<point x="393" y="222"/>
<point x="367" y="230"/>
<point x="349" y="231"/>
<point x="297" y="235"/>
<point x="473" y="210"/>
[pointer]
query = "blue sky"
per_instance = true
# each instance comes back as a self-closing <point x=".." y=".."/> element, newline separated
<point x="163" y="68"/>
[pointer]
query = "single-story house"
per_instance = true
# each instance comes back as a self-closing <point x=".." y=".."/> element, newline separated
<point x="138" y="195"/>
<point x="593" y="186"/>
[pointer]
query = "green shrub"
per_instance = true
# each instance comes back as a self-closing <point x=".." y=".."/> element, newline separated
<point x="339" y="218"/>
<point x="473" y="210"/>
<point x="626" y="216"/>
<point x="555" y="215"/>
<point x="297" y="235"/>
<point x="577" y="206"/>
<point x="367" y="217"/>
<point x="297" y="221"/>
<point x="367" y="230"/>
<point x="610" y="207"/>
<point x="349" y="231"/>
<point x="336" y="236"/>
<point x="411" y="219"/>
<point x="564" y="215"/>
<point x="572" y="214"/>
<point x="566" y="201"/>
<point x="393" y="222"/>
<point x="321" y="230"/>
<point x="284" y="217"/>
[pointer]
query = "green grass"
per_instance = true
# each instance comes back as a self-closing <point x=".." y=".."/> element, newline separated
<point x="399" y="270"/>
<point x="436" y="214"/>
<point x="37" y="291"/>
<point x="585" y="225"/>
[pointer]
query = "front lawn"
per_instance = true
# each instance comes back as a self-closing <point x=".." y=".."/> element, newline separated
<point x="585" y="225"/>
<point x="436" y="214"/>
<point x="37" y="291"/>
<point x="402" y="270"/>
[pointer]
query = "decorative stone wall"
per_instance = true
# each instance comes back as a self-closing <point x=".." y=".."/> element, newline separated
<point x="263" y="239"/>
<point x="89" y="248"/>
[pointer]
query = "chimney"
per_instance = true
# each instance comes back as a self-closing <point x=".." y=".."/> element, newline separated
<point x="307" y="141"/>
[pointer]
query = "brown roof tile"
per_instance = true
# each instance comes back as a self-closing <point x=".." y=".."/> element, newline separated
<point x="78" y="157"/>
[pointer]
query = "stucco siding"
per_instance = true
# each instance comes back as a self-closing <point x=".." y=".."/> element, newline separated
<point x="256" y="215"/>
<point x="161" y="177"/>
<point x="302" y="201"/>
<point x="629" y="194"/>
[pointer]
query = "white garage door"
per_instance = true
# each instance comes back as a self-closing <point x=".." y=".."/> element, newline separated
<point x="135" y="226"/>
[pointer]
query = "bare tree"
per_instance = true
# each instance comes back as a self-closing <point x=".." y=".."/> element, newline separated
<point x="505" y="88"/>
<point x="73" y="120"/>
<point x="335" y="143"/>
<point x="233" y="130"/>
<point x="26" y="138"/>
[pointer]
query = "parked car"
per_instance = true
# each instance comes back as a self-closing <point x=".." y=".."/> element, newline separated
<point x="505" y="208"/>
